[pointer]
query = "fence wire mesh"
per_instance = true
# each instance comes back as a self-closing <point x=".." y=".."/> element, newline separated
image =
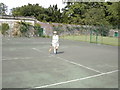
<point x="93" y="34"/>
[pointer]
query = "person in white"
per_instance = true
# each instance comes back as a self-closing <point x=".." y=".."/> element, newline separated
<point x="55" y="42"/>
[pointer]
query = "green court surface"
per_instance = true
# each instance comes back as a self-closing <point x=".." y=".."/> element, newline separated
<point x="26" y="63"/>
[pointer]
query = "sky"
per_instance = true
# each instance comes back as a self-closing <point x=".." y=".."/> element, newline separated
<point x="44" y="3"/>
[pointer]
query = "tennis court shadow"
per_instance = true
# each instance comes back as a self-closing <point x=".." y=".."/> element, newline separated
<point x="60" y="52"/>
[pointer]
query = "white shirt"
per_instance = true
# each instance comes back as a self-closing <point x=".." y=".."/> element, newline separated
<point x="55" y="39"/>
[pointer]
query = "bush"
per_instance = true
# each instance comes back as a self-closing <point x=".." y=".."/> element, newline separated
<point x="5" y="27"/>
<point x="24" y="27"/>
<point x="38" y="30"/>
<point x="45" y="36"/>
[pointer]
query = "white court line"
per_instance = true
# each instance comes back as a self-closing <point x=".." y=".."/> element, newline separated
<point x="15" y="58"/>
<point x="71" y="62"/>
<point x="33" y="42"/>
<point x="79" y="65"/>
<point x="74" y="80"/>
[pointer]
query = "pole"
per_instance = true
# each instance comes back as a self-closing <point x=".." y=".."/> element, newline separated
<point x="96" y="36"/>
<point x="90" y="36"/>
<point x="102" y="35"/>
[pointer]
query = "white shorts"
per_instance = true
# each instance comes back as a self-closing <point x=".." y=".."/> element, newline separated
<point x="55" y="45"/>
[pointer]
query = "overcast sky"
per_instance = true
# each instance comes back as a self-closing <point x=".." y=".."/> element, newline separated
<point x="45" y="3"/>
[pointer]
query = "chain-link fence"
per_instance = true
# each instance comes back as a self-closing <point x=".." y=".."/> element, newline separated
<point x="93" y="34"/>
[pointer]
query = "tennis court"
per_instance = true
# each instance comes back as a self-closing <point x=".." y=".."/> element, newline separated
<point x="26" y="63"/>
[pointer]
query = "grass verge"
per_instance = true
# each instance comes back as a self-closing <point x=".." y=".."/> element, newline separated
<point x="100" y="40"/>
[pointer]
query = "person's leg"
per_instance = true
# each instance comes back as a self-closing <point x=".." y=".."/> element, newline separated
<point x="57" y="45"/>
<point x="54" y="50"/>
<point x="50" y="48"/>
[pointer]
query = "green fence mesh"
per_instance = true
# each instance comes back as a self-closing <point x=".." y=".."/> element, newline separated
<point x="93" y="34"/>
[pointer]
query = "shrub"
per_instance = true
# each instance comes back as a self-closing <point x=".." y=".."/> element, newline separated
<point x="24" y="27"/>
<point x="38" y="30"/>
<point x="5" y="27"/>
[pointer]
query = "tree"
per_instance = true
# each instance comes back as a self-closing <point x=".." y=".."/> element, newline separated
<point x="113" y="11"/>
<point x="16" y="12"/>
<point x="3" y="9"/>
<point x="28" y="10"/>
<point x="95" y="16"/>
<point x="53" y="13"/>
<point x="82" y="13"/>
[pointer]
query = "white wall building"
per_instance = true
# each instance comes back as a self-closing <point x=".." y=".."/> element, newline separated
<point x="12" y="20"/>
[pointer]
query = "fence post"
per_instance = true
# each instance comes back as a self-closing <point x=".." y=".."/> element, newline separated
<point x="90" y="36"/>
<point x="96" y="36"/>
<point x="86" y="35"/>
<point x="102" y="34"/>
